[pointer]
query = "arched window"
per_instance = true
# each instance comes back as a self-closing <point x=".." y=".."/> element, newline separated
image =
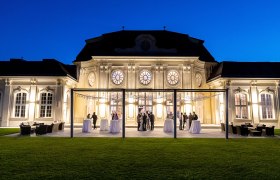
<point x="241" y="105"/>
<point x="46" y="104"/>
<point x="20" y="105"/>
<point x="266" y="105"/>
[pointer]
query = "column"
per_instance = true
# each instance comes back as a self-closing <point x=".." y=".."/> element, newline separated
<point x="7" y="99"/>
<point x="32" y="100"/>
<point x="255" y="106"/>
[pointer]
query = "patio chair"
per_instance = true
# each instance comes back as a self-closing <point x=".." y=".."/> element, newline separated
<point x="61" y="126"/>
<point x="49" y="128"/>
<point x="238" y="130"/>
<point x="41" y="129"/>
<point x="269" y="131"/>
<point x="223" y="128"/>
<point x="25" y="130"/>
<point x="244" y="130"/>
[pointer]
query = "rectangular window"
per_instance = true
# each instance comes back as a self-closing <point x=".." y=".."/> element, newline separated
<point x="241" y="106"/>
<point x="20" y="105"/>
<point x="266" y="106"/>
<point x="116" y="102"/>
<point x="46" y="105"/>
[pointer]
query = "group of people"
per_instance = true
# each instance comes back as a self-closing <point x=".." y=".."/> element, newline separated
<point x="94" y="119"/>
<point x="145" y="121"/>
<point x="184" y="117"/>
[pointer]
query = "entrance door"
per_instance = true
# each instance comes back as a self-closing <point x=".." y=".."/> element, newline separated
<point x="145" y="102"/>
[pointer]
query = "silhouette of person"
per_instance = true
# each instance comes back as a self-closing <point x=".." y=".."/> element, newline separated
<point x="94" y="119"/>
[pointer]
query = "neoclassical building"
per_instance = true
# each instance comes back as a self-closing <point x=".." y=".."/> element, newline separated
<point x="142" y="61"/>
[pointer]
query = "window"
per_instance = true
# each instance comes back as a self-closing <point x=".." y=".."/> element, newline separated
<point x="266" y="106"/>
<point x="145" y="77"/>
<point x="173" y="77"/>
<point x="116" y="102"/>
<point x="117" y="77"/>
<point x="145" y="102"/>
<point x="20" y="105"/>
<point x="241" y="106"/>
<point x="46" y="102"/>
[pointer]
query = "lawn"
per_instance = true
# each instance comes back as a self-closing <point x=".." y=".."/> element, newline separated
<point x="138" y="158"/>
<point x="6" y="131"/>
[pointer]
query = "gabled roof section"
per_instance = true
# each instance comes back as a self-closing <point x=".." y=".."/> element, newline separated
<point x="231" y="69"/>
<point x="144" y="43"/>
<point x="47" y="67"/>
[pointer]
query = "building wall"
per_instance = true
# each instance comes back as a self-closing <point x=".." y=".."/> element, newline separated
<point x="253" y="90"/>
<point x="192" y="74"/>
<point x="33" y="88"/>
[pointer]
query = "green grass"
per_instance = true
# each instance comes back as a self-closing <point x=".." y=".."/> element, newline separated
<point x="138" y="158"/>
<point x="277" y="132"/>
<point x="6" y="131"/>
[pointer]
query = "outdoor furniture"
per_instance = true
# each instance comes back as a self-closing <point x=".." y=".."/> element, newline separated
<point x="41" y="129"/>
<point x="244" y="130"/>
<point x="26" y="130"/>
<point x="168" y="125"/>
<point x="269" y="131"/>
<point x="61" y="126"/>
<point x="87" y="126"/>
<point x="104" y="125"/>
<point x="195" y="127"/>
<point x="254" y="132"/>
<point x="223" y="128"/>
<point x="232" y="129"/>
<point x="55" y="127"/>
<point x="49" y="128"/>
<point x="114" y="126"/>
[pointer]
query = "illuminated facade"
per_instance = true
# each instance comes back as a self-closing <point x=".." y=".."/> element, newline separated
<point x="140" y="60"/>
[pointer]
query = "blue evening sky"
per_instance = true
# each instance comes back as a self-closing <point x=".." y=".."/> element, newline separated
<point x="237" y="30"/>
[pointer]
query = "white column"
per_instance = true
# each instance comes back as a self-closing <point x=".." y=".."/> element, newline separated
<point x="255" y="106"/>
<point x="32" y="101"/>
<point x="7" y="102"/>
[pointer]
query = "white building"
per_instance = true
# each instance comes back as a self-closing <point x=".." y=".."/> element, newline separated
<point x="142" y="60"/>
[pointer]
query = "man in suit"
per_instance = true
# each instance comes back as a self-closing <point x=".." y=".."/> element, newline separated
<point x="190" y="119"/>
<point x="138" y="121"/>
<point x="94" y="118"/>
<point x="185" y="117"/>
<point x="144" y="121"/>
<point x="152" y="119"/>
<point x="195" y="117"/>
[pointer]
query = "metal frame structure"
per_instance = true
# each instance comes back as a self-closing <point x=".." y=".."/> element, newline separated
<point x="175" y="91"/>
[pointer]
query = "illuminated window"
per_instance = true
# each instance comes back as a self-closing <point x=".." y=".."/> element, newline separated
<point x="173" y="77"/>
<point x="20" y="104"/>
<point x="117" y="77"/>
<point x="241" y="106"/>
<point x="145" y="77"/>
<point x="46" y="103"/>
<point x="266" y="106"/>
<point x="116" y="102"/>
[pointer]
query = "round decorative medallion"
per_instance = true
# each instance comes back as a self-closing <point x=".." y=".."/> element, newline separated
<point x="145" y="77"/>
<point x="91" y="79"/>
<point x="117" y="77"/>
<point x="173" y="77"/>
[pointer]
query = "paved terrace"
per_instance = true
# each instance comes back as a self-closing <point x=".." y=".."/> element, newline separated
<point x="207" y="131"/>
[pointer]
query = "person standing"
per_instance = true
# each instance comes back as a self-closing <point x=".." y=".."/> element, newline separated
<point x="181" y="121"/>
<point x="138" y="121"/>
<point x="94" y="119"/>
<point x="144" y="121"/>
<point x="195" y="117"/>
<point x="152" y="119"/>
<point x="185" y="117"/>
<point x="190" y="119"/>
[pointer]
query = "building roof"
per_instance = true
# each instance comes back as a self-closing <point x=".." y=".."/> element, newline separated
<point x="144" y="43"/>
<point x="47" y="67"/>
<point x="231" y="69"/>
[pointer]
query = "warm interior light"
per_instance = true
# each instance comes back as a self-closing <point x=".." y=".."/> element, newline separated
<point x="159" y="110"/>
